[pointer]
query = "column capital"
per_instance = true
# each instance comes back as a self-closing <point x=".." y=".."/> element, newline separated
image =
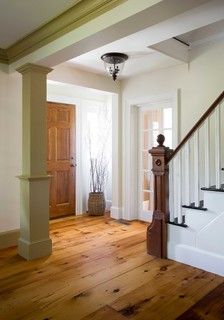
<point x="31" y="67"/>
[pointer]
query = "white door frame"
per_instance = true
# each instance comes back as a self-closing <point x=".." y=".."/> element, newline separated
<point x="130" y="146"/>
<point x="81" y="170"/>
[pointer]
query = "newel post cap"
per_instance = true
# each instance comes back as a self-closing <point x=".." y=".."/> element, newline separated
<point x="160" y="155"/>
<point x="160" y="140"/>
<point x="160" y="148"/>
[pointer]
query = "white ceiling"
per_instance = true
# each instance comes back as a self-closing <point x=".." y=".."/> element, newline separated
<point x="19" y="18"/>
<point x="204" y="34"/>
<point x="143" y="59"/>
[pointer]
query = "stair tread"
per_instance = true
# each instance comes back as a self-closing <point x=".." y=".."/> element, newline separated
<point x="183" y="225"/>
<point x="176" y="223"/>
<point x="192" y="206"/>
<point x="213" y="188"/>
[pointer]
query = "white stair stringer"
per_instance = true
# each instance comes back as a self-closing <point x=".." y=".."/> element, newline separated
<point x="201" y="244"/>
<point x="196" y="257"/>
<point x="185" y="236"/>
<point x="197" y="219"/>
<point x="211" y="237"/>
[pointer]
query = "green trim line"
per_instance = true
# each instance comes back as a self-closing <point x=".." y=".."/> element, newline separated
<point x="34" y="178"/>
<point x="3" y="56"/>
<point x="81" y="13"/>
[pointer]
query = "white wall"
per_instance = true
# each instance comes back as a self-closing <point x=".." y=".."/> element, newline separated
<point x="200" y="83"/>
<point x="10" y="149"/>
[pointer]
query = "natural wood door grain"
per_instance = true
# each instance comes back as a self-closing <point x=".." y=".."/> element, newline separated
<point x="61" y="158"/>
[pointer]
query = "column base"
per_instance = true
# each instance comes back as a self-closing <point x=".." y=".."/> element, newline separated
<point x="34" y="250"/>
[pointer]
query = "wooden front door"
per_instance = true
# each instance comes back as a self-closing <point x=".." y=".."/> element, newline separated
<point x="61" y="158"/>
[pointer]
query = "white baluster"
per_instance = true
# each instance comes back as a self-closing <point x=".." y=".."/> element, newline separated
<point x="196" y="169"/>
<point x="217" y="148"/>
<point x="207" y="152"/>
<point x="171" y="192"/>
<point x="179" y="204"/>
<point x="187" y="174"/>
<point x="175" y="190"/>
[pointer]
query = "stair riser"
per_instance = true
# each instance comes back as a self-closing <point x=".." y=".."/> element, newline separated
<point x="197" y="220"/>
<point x="203" y="249"/>
<point x="214" y="201"/>
<point x="185" y="236"/>
<point x="211" y="237"/>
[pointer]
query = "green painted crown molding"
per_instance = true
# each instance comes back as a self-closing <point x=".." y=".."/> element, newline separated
<point x="79" y="14"/>
<point x="3" y="56"/>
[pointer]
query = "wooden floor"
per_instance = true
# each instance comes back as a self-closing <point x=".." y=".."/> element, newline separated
<point x="99" y="270"/>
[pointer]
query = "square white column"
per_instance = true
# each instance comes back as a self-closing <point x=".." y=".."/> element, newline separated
<point x="34" y="241"/>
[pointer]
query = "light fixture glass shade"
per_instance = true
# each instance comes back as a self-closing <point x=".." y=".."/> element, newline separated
<point x="114" y="63"/>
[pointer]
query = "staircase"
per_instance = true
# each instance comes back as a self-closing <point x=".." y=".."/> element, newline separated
<point x="188" y="221"/>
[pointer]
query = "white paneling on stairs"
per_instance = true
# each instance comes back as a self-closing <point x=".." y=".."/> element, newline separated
<point x="201" y="243"/>
<point x="196" y="220"/>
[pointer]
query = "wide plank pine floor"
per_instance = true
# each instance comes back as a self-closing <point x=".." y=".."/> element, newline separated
<point x="99" y="270"/>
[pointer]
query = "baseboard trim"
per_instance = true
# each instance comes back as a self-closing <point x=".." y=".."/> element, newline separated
<point x="196" y="257"/>
<point x="9" y="238"/>
<point x="145" y="216"/>
<point x="116" y="212"/>
<point x="108" y="204"/>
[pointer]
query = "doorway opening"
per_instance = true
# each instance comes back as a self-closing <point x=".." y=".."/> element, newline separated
<point x="152" y="122"/>
<point x="79" y="129"/>
<point x="144" y="118"/>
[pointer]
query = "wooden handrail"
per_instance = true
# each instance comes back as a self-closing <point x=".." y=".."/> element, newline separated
<point x="197" y="125"/>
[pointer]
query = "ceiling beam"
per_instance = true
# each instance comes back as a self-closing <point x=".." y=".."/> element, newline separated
<point x="113" y="20"/>
<point x="79" y="14"/>
<point x="123" y="21"/>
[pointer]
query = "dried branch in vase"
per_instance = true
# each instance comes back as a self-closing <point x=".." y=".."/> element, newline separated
<point x="98" y="170"/>
<point x="98" y="175"/>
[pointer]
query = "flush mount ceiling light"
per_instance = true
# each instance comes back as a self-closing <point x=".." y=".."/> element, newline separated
<point x="114" y="63"/>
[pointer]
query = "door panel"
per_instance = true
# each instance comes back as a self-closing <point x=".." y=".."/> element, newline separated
<point x="60" y="158"/>
<point x="63" y="144"/>
<point x="51" y="153"/>
<point x="63" y="192"/>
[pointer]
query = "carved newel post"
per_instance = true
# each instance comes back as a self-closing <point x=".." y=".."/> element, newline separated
<point x="157" y="231"/>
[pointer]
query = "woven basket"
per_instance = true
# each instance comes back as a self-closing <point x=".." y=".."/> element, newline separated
<point x="96" y="204"/>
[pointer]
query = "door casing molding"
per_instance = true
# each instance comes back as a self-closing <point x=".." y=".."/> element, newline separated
<point x="130" y="146"/>
<point x="81" y="186"/>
